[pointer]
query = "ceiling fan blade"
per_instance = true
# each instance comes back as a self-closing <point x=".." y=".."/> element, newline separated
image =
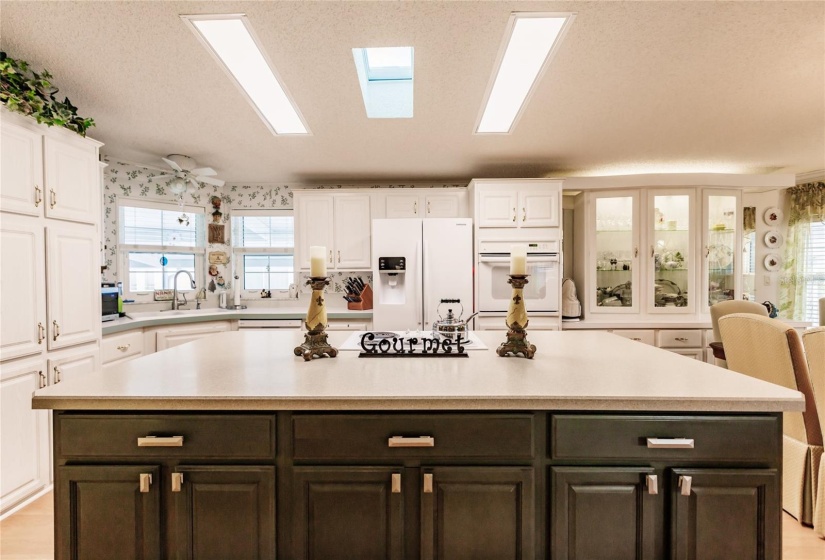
<point x="164" y="176"/>
<point x="203" y="171"/>
<point x="210" y="181"/>
<point x="172" y="164"/>
<point x="194" y="184"/>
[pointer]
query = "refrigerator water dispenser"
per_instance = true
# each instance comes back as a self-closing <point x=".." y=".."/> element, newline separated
<point x="392" y="271"/>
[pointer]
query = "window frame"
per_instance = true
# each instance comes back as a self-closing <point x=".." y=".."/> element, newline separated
<point x="123" y="249"/>
<point x="239" y="251"/>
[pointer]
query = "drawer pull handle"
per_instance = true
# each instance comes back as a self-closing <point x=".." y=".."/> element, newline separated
<point x="652" y="484"/>
<point x="42" y="382"/>
<point x="154" y="441"/>
<point x="684" y="485"/>
<point x="177" y="481"/>
<point x="124" y="347"/>
<point x="669" y="443"/>
<point x="396" y="483"/>
<point x="524" y="214"/>
<point x="636" y="338"/>
<point x="514" y="214"/>
<point x="419" y="441"/>
<point x="428" y="483"/>
<point x="57" y="373"/>
<point x="145" y="482"/>
<point x="681" y="339"/>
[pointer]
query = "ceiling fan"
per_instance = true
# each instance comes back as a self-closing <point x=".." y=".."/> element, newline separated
<point x="186" y="175"/>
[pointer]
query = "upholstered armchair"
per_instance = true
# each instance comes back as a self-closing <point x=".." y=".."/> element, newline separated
<point x="814" y="342"/>
<point x="723" y="308"/>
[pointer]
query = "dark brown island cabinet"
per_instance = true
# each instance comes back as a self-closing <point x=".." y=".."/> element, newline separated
<point x="417" y="485"/>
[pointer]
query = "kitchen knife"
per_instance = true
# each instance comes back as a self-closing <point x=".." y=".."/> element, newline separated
<point x="360" y="284"/>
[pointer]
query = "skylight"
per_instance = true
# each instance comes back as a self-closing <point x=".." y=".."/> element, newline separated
<point x="231" y="40"/>
<point x="385" y="75"/>
<point x="533" y="37"/>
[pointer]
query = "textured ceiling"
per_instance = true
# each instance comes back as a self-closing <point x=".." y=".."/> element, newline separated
<point x="636" y="87"/>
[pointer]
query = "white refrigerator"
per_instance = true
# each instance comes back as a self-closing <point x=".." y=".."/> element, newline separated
<point x="415" y="264"/>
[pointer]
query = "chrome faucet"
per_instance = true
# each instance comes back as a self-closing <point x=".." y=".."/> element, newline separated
<point x="175" y="304"/>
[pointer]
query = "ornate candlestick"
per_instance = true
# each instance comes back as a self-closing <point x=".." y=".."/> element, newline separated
<point x="517" y="322"/>
<point x="315" y="340"/>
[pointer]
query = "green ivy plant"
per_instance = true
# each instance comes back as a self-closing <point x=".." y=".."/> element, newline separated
<point x="23" y="90"/>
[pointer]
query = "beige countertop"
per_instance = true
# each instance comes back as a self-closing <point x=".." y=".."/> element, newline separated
<point x="633" y="322"/>
<point x="572" y="371"/>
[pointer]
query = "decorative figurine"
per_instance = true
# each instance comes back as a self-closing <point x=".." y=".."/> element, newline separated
<point x="315" y="340"/>
<point x="266" y="294"/>
<point x="517" y="322"/>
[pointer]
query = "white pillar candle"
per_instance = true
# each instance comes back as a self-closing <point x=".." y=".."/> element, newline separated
<point x="518" y="259"/>
<point x="317" y="261"/>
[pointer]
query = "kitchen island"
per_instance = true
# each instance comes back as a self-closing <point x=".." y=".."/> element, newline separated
<point x="599" y="447"/>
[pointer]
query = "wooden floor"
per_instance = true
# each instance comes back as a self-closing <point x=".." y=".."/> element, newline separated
<point x="29" y="535"/>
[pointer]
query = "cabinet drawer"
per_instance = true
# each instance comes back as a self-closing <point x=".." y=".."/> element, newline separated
<point x="367" y="436"/>
<point x="715" y="438"/>
<point x="118" y="346"/>
<point x="645" y="336"/>
<point x="672" y="338"/>
<point x="204" y="436"/>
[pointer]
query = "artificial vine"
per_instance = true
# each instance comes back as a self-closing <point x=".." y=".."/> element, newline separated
<point x="23" y="90"/>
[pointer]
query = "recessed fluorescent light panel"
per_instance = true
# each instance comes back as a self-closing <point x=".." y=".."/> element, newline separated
<point x="533" y="37"/>
<point x="232" y="41"/>
<point x="386" y="78"/>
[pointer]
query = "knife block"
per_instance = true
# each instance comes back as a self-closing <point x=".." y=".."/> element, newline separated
<point x="366" y="300"/>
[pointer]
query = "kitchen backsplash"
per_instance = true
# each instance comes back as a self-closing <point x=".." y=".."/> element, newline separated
<point x="135" y="181"/>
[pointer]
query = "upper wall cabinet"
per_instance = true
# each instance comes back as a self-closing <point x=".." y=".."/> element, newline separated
<point x="411" y="204"/>
<point x="516" y="203"/>
<point x="21" y="170"/>
<point x="72" y="181"/>
<point x="338" y="221"/>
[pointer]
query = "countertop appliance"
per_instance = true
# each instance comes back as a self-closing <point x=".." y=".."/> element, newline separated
<point x="542" y="291"/>
<point x="108" y="302"/>
<point x="417" y="263"/>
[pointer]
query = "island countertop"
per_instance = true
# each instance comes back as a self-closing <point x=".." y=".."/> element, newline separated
<point x="237" y="371"/>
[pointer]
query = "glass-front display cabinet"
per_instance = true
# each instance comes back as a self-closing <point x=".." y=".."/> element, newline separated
<point x="614" y="265"/>
<point x="671" y="236"/>
<point x="722" y="244"/>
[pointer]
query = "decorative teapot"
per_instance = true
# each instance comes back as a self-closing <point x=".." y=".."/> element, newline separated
<point x="450" y="327"/>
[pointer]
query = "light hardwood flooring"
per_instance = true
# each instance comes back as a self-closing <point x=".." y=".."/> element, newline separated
<point x="29" y="535"/>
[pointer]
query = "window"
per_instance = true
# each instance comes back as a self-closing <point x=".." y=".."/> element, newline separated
<point x="156" y="241"/>
<point x="264" y="246"/>
<point x="815" y="257"/>
<point x="749" y="265"/>
<point x="385" y="75"/>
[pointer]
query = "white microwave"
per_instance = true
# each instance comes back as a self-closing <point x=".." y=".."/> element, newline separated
<point x="541" y="294"/>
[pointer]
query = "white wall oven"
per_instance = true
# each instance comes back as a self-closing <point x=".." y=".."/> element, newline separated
<point x="541" y="294"/>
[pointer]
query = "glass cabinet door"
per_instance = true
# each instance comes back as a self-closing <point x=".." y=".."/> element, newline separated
<point x="672" y="238"/>
<point x="615" y="256"/>
<point x="721" y="223"/>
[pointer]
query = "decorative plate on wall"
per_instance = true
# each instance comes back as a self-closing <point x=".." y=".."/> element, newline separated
<point x="773" y="239"/>
<point x="772" y="262"/>
<point x="773" y="216"/>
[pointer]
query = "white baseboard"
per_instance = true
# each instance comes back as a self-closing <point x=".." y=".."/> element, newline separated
<point x="27" y="501"/>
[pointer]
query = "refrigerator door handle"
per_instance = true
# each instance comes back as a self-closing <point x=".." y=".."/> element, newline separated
<point x="425" y="283"/>
<point x="419" y="292"/>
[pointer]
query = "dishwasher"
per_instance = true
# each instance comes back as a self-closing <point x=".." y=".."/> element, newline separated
<point x="269" y="324"/>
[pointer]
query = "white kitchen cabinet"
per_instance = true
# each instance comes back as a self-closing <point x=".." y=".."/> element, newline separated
<point x="721" y="246"/>
<point x="425" y="204"/>
<point x="511" y="203"/>
<point x="21" y="169"/>
<point x="181" y="334"/>
<point x="121" y="347"/>
<point x="73" y="285"/>
<point x="340" y="222"/>
<point x="74" y="363"/>
<point x="22" y="277"/>
<point x="72" y="180"/>
<point x="25" y="458"/>
<point x="351" y="225"/>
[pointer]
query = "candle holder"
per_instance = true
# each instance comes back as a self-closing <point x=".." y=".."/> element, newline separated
<point x="517" y="322"/>
<point x="315" y="340"/>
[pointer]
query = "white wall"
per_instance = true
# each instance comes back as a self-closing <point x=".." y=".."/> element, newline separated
<point x="766" y="283"/>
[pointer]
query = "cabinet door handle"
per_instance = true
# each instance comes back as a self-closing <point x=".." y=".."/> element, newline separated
<point x="396" y="483"/>
<point x="339" y="257"/>
<point x="428" y="207"/>
<point x="514" y="214"/>
<point x="428" y="483"/>
<point x="177" y="481"/>
<point x="419" y="441"/>
<point x="42" y="382"/>
<point x="415" y="207"/>
<point x="41" y="333"/>
<point x="124" y="347"/>
<point x="331" y="260"/>
<point x="524" y="214"/>
<point x="155" y="441"/>
<point x="669" y="443"/>
<point x="635" y="252"/>
<point x="56" y="375"/>
<point x="652" y="484"/>
<point x="145" y="482"/>
<point x="53" y="198"/>
<point x="684" y="484"/>
<point x="652" y="252"/>
<point x="707" y="252"/>
<point x="38" y="196"/>
<point x="636" y="338"/>
<point x="681" y="339"/>
<point x="55" y="330"/>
